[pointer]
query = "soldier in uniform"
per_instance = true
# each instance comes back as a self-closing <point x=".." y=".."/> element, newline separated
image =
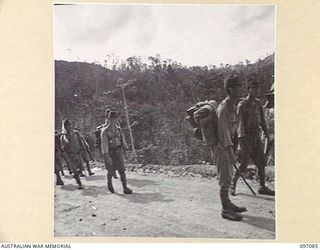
<point x="85" y="155"/>
<point x="251" y="121"/>
<point x="106" y="123"/>
<point x="71" y="143"/>
<point x="269" y="113"/>
<point x="112" y="147"/>
<point x="57" y="159"/>
<point x="224" y="156"/>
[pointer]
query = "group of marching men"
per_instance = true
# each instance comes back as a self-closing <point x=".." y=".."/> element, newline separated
<point x="237" y="119"/>
<point x="71" y="146"/>
<point x="239" y="125"/>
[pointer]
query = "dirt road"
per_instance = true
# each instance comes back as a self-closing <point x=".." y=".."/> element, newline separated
<point x="161" y="206"/>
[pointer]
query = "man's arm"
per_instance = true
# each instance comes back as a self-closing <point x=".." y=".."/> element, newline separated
<point x="263" y="123"/>
<point x="123" y="140"/>
<point x="104" y="142"/>
<point x="225" y="137"/>
<point x="223" y="128"/>
<point x="241" y="122"/>
<point x="105" y="147"/>
<point x="64" y="142"/>
<point x="241" y="126"/>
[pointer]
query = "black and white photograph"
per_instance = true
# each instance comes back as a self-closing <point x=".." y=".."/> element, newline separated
<point x="164" y="120"/>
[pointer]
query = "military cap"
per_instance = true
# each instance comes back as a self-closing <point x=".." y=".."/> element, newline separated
<point x="231" y="81"/>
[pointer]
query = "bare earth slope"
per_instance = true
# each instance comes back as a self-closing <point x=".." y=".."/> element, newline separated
<point x="162" y="205"/>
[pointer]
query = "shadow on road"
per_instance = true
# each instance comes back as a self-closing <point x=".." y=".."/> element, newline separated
<point x="260" y="222"/>
<point x="67" y="177"/>
<point x="87" y="178"/>
<point x="70" y="187"/>
<point x="267" y="198"/>
<point x="145" y="198"/>
<point x="95" y="178"/>
<point x="93" y="191"/>
<point x="141" y="183"/>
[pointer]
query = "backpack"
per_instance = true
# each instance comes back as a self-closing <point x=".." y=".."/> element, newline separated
<point x="202" y="117"/>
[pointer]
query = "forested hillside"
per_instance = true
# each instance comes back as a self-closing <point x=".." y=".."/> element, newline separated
<point x="157" y="99"/>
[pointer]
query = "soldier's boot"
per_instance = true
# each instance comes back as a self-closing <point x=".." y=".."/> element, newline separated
<point x="80" y="173"/>
<point x="110" y="186"/>
<point x="234" y="183"/>
<point x="78" y="181"/>
<point x="59" y="181"/>
<point x="123" y="178"/>
<point x="227" y="211"/>
<point x="89" y="170"/>
<point x="62" y="173"/>
<point x="115" y="175"/>
<point x="69" y="169"/>
<point x="237" y="209"/>
<point x="263" y="189"/>
<point x="234" y="207"/>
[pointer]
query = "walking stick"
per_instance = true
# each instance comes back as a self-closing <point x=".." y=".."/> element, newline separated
<point x="244" y="179"/>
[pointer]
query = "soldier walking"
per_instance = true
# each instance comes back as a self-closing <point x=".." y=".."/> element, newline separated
<point x="112" y="147"/>
<point x="224" y="150"/>
<point x="85" y="155"/>
<point x="251" y="121"/>
<point x="57" y="159"/>
<point x="72" y="145"/>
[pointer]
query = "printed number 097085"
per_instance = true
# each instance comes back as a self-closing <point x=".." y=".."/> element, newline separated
<point x="308" y="245"/>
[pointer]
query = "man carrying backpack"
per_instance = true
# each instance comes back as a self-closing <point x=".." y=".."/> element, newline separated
<point x="251" y="121"/>
<point x="223" y="151"/>
<point x="71" y="144"/>
<point x="112" y="147"/>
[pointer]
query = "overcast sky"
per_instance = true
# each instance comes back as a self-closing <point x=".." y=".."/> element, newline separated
<point x="190" y="34"/>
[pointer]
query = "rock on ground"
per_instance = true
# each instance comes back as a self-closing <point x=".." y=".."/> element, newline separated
<point x="162" y="205"/>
